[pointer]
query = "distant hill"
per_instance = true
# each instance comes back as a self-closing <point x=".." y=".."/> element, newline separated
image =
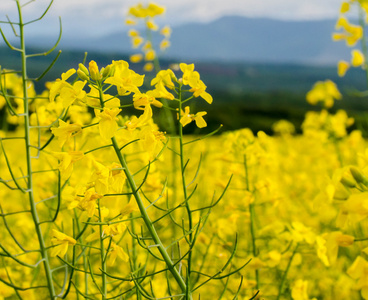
<point x="259" y="40"/>
<point x="232" y="38"/>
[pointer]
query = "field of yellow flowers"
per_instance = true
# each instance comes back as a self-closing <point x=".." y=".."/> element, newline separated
<point x="96" y="204"/>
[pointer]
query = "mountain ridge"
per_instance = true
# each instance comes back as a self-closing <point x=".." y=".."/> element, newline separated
<point x="232" y="39"/>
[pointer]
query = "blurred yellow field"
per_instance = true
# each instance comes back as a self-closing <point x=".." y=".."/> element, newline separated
<point x="96" y="204"/>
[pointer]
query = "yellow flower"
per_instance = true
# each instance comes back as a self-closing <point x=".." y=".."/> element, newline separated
<point x="117" y="178"/>
<point x="154" y="10"/>
<point x="166" y="31"/>
<point x="299" y="290"/>
<point x="148" y="67"/>
<point x="130" y="22"/>
<point x="100" y="177"/>
<point x="199" y="89"/>
<point x="107" y="124"/>
<point x="188" y="118"/>
<point x="151" y="25"/>
<point x="60" y="83"/>
<point x="62" y="241"/>
<point x="359" y="271"/>
<point x="136" y="58"/>
<point x="66" y="161"/>
<point x="302" y="233"/>
<point x="161" y="92"/>
<point x="115" y="252"/>
<point x="147" y="46"/>
<point x="164" y="44"/>
<point x="357" y="58"/>
<point x="165" y="77"/>
<point x="328" y="246"/>
<point x="137" y="11"/>
<point x="342" y="68"/>
<point x="114" y="229"/>
<point x="355" y="208"/>
<point x="129" y="208"/>
<point x="345" y="6"/>
<point x="125" y="79"/>
<point x="133" y="33"/>
<point x="71" y="93"/>
<point x="143" y="119"/>
<point x="140" y="11"/>
<point x="150" y="55"/>
<point x="323" y="91"/>
<point x="88" y="202"/>
<point x="65" y="131"/>
<point x="192" y="78"/>
<point x="141" y="100"/>
<point x="351" y="33"/>
<point x="137" y="41"/>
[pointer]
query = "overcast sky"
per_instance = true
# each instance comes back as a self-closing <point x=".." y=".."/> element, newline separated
<point x="101" y="16"/>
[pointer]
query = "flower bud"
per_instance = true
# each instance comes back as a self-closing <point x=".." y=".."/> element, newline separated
<point x="82" y="75"/>
<point x="93" y="69"/>
<point x="347" y="181"/>
<point x="345" y="240"/>
<point x="83" y="69"/>
<point x="106" y="71"/>
<point x="358" y="176"/>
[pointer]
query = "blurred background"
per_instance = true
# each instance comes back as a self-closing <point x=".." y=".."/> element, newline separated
<point x="257" y="58"/>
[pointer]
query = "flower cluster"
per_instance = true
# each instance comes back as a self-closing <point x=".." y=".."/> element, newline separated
<point x="146" y="44"/>
<point x="351" y="34"/>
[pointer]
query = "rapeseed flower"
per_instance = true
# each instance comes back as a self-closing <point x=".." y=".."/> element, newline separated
<point x="324" y="91"/>
<point x="61" y="242"/>
<point x="108" y="125"/>
<point x="188" y="118"/>
<point x="65" y="131"/>
<point x="125" y="79"/>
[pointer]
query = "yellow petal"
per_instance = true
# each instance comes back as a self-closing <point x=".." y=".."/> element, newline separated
<point x="357" y="58"/>
<point x="342" y="68"/>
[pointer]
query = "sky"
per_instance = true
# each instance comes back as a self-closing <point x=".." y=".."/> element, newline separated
<point x="97" y="17"/>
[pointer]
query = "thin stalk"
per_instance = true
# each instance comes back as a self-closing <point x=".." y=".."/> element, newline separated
<point x="34" y="211"/>
<point x="252" y="225"/>
<point x="182" y="168"/>
<point x="147" y="219"/>
<point x="134" y="246"/>
<point x="102" y="253"/>
<point x="281" y="287"/>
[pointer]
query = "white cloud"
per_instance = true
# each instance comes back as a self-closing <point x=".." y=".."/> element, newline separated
<point x="96" y="16"/>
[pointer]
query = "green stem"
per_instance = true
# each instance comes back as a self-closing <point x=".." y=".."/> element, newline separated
<point x="134" y="252"/>
<point x="30" y="187"/>
<point x="147" y="219"/>
<point x="252" y="223"/>
<point x="182" y="168"/>
<point x="102" y="253"/>
<point x="286" y="272"/>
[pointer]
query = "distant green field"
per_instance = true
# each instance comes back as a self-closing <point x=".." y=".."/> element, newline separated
<point x="245" y="95"/>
